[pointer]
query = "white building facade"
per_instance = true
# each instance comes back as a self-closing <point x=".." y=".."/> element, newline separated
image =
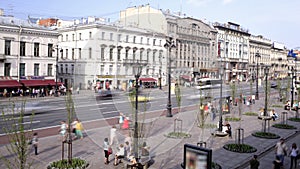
<point x="26" y="53"/>
<point x="105" y="53"/>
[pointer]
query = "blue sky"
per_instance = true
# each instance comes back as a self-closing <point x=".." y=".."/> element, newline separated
<point x="278" y="20"/>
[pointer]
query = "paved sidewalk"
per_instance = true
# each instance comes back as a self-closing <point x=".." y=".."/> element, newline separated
<point x="167" y="153"/>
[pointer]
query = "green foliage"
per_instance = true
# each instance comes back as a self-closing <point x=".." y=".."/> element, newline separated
<point x="284" y="126"/>
<point x="294" y="119"/>
<point x="178" y="135"/>
<point x="178" y="95"/>
<point x="250" y="114"/>
<point x="18" y="135"/>
<point x="76" y="163"/>
<point x="277" y="105"/>
<point x="266" y="135"/>
<point x="240" y="148"/>
<point x="232" y="119"/>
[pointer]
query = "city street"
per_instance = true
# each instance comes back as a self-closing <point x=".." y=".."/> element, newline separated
<point x="163" y="150"/>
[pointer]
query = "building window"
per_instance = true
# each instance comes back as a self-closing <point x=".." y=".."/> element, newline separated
<point x="79" y="53"/>
<point x="111" y="50"/>
<point x="22" y="69"/>
<point x="141" y="42"/>
<point x="134" y="37"/>
<point x="72" y="69"/>
<point x="50" y="50"/>
<point x="67" y="37"/>
<point x="102" y="69"/>
<point x="90" y="53"/>
<point x="111" y="36"/>
<point x="22" y="48"/>
<point x="79" y="36"/>
<point x="133" y="54"/>
<point x="126" y="54"/>
<point x="73" y="53"/>
<point x="7" y="67"/>
<point x="62" y="38"/>
<point x="50" y="70"/>
<point x="103" y="35"/>
<point x="102" y="53"/>
<point x="141" y="54"/>
<point x="148" y="53"/>
<point x="36" y="69"/>
<point x="73" y="37"/>
<point x="160" y="56"/>
<point x="90" y="35"/>
<point x="7" y="47"/>
<point x="127" y="38"/>
<point x="36" y="49"/>
<point x="119" y="37"/>
<point x="110" y="69"/>
<point x="119" y="54"/>
<point x="62" y="54"/>
<point x="153" y="57"/>
<point x="154" y="42"/>
<point x="66" y="65"/>
<point x="61" y="68"/>
<point x="67" y="51"/>
<point x="148" y="41"/>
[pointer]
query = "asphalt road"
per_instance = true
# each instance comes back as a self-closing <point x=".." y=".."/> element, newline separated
<point x="48" y="112"/>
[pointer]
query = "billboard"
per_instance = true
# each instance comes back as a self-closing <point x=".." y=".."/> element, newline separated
<point x="196" y="157"/>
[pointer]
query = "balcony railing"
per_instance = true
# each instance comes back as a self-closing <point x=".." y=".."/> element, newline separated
<point x="134" y="61"/>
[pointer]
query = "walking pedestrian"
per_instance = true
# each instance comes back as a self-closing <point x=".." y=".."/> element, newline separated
<point x="119" y="155"/>
<point x="63" y="130"/>
<point x="105" y="148"/>
<point x="254" y="163"/>
<point x="79" y="129"/>
<point x="126" y="123"/>
<point x="121" y="120"/>
<point x="113" y="135"/>
<point x="281" y="150"/>
<point x="75" y="121"/>
<point x="294" y="154"/>
<point x="35" y="143"/>
<point x="277" y="163"/>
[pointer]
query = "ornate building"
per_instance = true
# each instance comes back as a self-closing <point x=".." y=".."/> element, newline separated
<point x="98" y="53"/>
<point x="26" y="54"/>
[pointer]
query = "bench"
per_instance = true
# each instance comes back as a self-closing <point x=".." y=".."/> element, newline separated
<point x="142" y="164"/>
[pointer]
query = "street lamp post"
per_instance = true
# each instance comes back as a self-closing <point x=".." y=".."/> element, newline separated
<point x="221" y="101"/>
<point x="257" y="55"/>
<point x="135" y="139"/>
<point x="56" y="73"/>
<point x="266" y="92"/>
<point x="293" y="89"/>
<point x="169" y="45"/>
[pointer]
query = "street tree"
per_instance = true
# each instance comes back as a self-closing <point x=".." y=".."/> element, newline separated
<point x="19" y="134"/>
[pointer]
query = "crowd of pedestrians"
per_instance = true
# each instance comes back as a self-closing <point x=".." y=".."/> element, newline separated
<point x="124" y="150"/>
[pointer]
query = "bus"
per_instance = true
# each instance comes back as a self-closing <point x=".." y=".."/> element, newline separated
<point x="208" y="83"/>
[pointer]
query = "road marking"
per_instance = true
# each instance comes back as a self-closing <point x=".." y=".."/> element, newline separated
<point x="32" y="122"/>
<point x="109" y="112"/>
<point x="99" y="108"/>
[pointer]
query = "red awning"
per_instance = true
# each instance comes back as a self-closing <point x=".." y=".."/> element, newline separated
<point x="147" y="79"/>
<point x="52" y="82"/>
<point x="34" y="83"/>
<point x="9" y="83"/>
<point x="186" y="77"/>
